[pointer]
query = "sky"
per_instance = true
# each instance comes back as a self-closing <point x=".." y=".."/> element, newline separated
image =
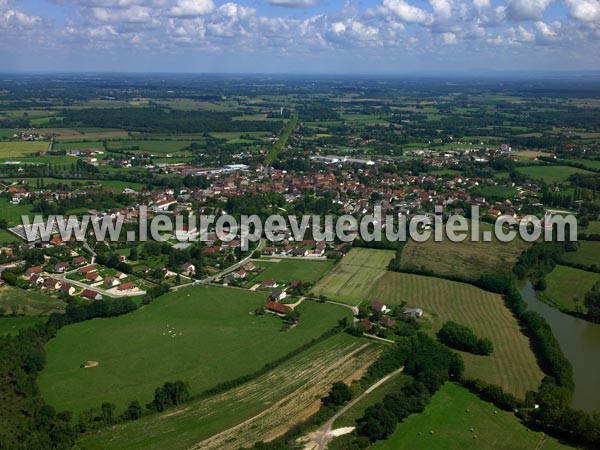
<point x="299" y="36"/>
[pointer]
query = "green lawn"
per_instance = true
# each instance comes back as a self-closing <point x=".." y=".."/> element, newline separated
<point x="12" y="325"/>
<point x="446" y="424"/>
<point x="216" y="338"/>
<point x="288" y="270"/>
<point x="550" y="174"/>
<point x="353" y="277"/>
<point x="12" y="213"/>
<point x="566" y="285"/>
<point x="588" y="254"/>
<point x="30" y="303"/>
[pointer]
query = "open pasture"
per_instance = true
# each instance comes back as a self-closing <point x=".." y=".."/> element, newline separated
<point x="567" y="287"/>
<point x="201" y="335"/>
<point x="16" y="149"/>
<point x="447" y="421"/>
<point x="289" y="269"/>
<point x="29" y="303"/>
<point x="550" y="174"/>
<point x="268" y="405"/>
<point x="352" y="278"/>
<point x="587" y="254"/>
<point x="512" y="365"/>
<point x="467" y="259"/>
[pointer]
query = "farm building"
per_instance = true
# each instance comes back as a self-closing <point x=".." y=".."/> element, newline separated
<point x="278" y="308"/>
<point x="91" y="295"/>
<point x="378" y="307"/>
<point x="387" y="322"/>
<point x="268" y="282"/>
<point x="414" y="312"/>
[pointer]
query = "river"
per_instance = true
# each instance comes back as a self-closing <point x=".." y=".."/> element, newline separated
<point x="580" y="342"/>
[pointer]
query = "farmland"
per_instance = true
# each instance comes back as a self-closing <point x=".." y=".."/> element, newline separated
<point x="352" y="278"/>
<point x="18" y="301"/>
<point x="288" y="270"/>
<point x="269" y="404"/>
<point x="587" y="254"/>
<point x="567" y="287"/>
<point x="550" y="174"/>
<point x="17" y="149"/>
<point x="177" y="337"/>
<point x="447" y="421"/>
<point x="466" y="259"/>
<point x="512" y="365"/>
<point x="12" y="325"/>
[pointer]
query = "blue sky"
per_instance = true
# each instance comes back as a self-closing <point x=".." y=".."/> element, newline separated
<point x="299" y="36"/>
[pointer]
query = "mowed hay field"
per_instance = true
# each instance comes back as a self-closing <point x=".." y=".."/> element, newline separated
<point x="451" y="414"/>
<point x="268" y="405"/>
<point x="353" y="277"/>
<point x="566" y="287"/>
<point x="201" y="335"/>
<point x="465" y="259"/>
<point x="512" y="365"/>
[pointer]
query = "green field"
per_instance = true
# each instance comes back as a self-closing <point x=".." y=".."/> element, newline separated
<point x="16" y="149"/>
<point x="587" y="254"/>
<point x="352" y="278"/>
<point x="12" y="213"/>
<point x="158" y="146"/>
<point x="288" y="270"/>
<point x="287" y="394"/>
<point x="446" y="424"/>
<point x="567" y="287"/>
<point x="466" y="259"/>
<point x="592" y="228"/>
<point x="216" y="339"/>
<point x="30" y="303"/>
<point x="12" y="325"/>
<point x="550" y="174"/>
<point x="512" y="365"/>
<point x="78" y="145"/>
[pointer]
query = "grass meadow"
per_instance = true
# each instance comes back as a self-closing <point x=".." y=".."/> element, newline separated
<point x="12" y="325"/>
<point x="567" y="287"/>
<point x="352" y="278"/>
<point x="16" y="149"/>
<point x="466" y="259"/>
<point x="201" y="335"/>
<point x="512" y="365"/>
<point x="29" y="303"/>
<point x="268" y="405"/>
<point x="446" y="424"/>
<point x="288" y="270"/>
<point x="587" y="254"/>
<point x="550" y="174"/>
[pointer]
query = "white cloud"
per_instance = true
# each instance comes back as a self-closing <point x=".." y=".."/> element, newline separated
<point x="405" y="12"/>
<point x="135" y="14"/>
<point x="527" y="9"/>
<point x="192" y="8"/>
<point x="584" y="10"/>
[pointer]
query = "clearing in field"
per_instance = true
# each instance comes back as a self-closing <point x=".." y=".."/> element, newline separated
<point x="458" y="419"/>
<point x="288" y="270"/>
<point x="551" y="174"/>
<point x="567" y="287"/>
<point x="588" y="254"/>
<point x="512" y="365"/>
<point x="466" y="259"/>
<point x="261" y="409"/>
<point x="354" y="276"/>
<point x="201" y="335"/>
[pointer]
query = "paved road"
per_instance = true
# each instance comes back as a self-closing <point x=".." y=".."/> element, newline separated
<point x="323" y="435"/>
